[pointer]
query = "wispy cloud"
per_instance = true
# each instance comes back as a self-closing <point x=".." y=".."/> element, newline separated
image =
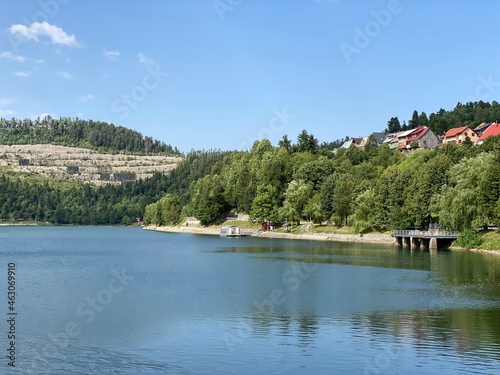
<point x="65" y="75"/>
<point x="86" y="98"/>
<point x="9" y="56"/>
<point x="41" y="116"/>
<point x="37" y="29"/>
<point x="5" y="101"/>
<point x="111" y="54"/>
<point x="143" y="59"/>
<point x="7" y="112"/>
<point x="39" y="61"/>
<point x="24" y="74"/>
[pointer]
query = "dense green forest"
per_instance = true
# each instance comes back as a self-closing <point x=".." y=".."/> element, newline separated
<point x="376" y="188"/>
<point x="73" y="202"/>
<point x="75" y="132"/>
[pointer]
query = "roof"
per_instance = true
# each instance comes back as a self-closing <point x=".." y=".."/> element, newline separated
<point x="405" y="133"/>
<point x="379" y="137"/>
<point x="347" y="144"/>
<point x="363" y="142"/>
<point x="456" y="131"/>
<point x="494" y="129"/>
<point x="352" y="141"/>
<point x="357" y="140"/>
<point x="417" y="133"/>
<point x="392" y="138"/>
<point x="481" y="127"/>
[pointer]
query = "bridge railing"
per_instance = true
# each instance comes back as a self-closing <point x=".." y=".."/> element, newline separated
<point x="426" y="233"/>
<point x="407" y="233"/>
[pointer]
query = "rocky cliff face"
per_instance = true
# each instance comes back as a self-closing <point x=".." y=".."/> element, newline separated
<point x="82" y="164"/>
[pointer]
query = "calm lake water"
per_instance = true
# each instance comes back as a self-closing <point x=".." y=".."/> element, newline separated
<point x="96" y="300"/>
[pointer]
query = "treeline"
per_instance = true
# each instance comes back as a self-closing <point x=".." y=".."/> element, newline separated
<point x="469" y="114"/>
<point x="76" y="132"/>
<point x="73" y="202"/>
<point x="375" y="188"/>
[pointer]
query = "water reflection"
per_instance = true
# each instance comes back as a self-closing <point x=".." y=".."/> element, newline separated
<point x="461" y="315"/>
<point x="469" y="332"/>
<point x="207" y="305"/>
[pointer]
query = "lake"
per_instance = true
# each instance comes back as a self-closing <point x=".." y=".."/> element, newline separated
<point x="113" y="300"/>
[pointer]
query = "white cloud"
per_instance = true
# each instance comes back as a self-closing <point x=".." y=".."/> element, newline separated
<point x="111" y="54"/>
<point x="65" y="75"/>
<point x="56" y="34"/>
<point x="145" y="60"/>
<point x="5" y="101"/>
<point x="7" y="112"/>
<point x="86" y="98"/>
<point x="24" y="74"/>
<point x="43" y="115"/>
<point x="39" y="61"/>
<point x="8" y="55"/>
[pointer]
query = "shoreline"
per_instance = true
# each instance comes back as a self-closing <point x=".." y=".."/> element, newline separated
<point x="383" y="239"/>
<point x="360" y="238"/>
<point x="183" y="229"/>
<point x="363" y="238"/>
<point x="21" y="225"/>
<point x="484" y="251"/>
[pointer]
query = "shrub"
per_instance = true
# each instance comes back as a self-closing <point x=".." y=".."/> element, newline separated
<point x="468" y="239"/>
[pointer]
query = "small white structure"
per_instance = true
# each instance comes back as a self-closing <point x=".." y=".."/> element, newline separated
<point x="231" y="231"/>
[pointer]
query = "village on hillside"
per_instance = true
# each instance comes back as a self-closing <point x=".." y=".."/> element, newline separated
<point x="423" y="137"/>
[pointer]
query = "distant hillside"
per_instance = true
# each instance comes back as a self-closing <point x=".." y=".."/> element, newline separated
<point x="74" y="163"/>
<point x="26" y="196"/>
<point x="96" y="135"/>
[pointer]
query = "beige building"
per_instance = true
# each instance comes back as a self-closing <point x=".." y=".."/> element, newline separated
<point x="458" y="135"/>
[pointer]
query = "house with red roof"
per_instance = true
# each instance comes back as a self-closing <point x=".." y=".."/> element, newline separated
<point x="459" y="135"/>
<point x="493" y="130"/>
<point x="422" y="135"/>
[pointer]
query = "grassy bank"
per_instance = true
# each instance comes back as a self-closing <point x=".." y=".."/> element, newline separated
<point x="490" y="240"/>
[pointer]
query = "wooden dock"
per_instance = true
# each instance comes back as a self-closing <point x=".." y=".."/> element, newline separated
<point x="432" y="239"/>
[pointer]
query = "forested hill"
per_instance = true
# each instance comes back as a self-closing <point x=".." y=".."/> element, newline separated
<point x="76" y="132"/>
<point x="31" y="197"/>
<point x="469" y="114"/>
<point x="375" y="188"/>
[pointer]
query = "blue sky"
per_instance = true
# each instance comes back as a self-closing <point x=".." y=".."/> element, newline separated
<point x="209" y="74"/>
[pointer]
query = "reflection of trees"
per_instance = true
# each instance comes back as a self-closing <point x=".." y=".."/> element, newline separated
<point x="463" y="330"/>
<point x="456" y="268"/>
<point x="284" y="322"/>
<point x="307" y="329"/>
<point x="447" y="323"/>
<point x="304" y="326"/>
<point x="470" y="269"/>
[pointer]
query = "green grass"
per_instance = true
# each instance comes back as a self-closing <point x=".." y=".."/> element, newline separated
<point x="294" y="230"/>
<point x="332" y="229"/>
<point x="243" y="224"/>
<point x="491" y="240"/>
